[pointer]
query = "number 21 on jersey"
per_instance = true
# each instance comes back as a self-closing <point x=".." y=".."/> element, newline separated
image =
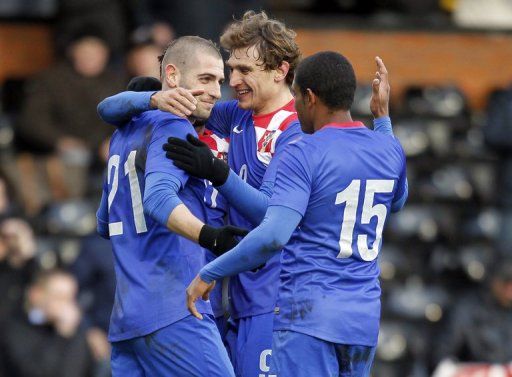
<point x="350" y="196"/>
<point x="116" y="229"/>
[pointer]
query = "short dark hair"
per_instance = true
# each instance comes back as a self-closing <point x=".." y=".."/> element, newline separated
<point x="180" y="51"/>
<point x="330" y="76"/>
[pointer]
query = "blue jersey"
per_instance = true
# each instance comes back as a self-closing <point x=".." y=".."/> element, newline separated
<point x="153" y="265"/>
<point x="342" y="180"/>
<point x="216" y="210"/>
<point x="254" y="141"/>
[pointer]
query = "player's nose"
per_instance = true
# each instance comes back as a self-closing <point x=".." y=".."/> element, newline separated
<point x="234" y="79"/>
<point x="215" y="91"/>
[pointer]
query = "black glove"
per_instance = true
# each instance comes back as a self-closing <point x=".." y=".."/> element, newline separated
<point x="144" y="84"/>
<point x="196" y="158"/>
<point x="220" y="240"/>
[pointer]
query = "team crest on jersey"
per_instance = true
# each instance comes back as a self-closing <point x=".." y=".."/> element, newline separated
<point x="265" y="143"/>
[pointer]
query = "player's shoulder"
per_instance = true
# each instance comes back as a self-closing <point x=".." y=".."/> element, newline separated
<point x="229" y="107"/>
<point x="159" y="117"/>
<point x="305" y="144"/>
<point x="167" y="124"/>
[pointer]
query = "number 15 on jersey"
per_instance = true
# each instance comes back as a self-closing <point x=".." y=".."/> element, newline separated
<point x="350" y="196"/>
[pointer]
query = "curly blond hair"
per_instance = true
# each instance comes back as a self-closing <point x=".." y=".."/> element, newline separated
<point x="274" y="42"/>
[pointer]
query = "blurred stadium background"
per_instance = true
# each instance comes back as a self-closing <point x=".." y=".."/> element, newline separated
<point x="445" y="265"/>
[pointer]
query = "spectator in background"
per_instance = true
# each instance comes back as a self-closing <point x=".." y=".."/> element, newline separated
<point x="480" y="328"/>
<point x="8" y="207"/>
<point x="59" y="115"/>
<point x="17" y="264"/>
<point x="94" y="271"/>
<point x="142" y="60"/>
<point x="115" y="17"/>
<point x="47" y="340"/>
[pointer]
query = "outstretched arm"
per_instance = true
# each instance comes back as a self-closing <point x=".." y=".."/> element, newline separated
<point x="120" y="108"/>
<point x="255" y="249"/>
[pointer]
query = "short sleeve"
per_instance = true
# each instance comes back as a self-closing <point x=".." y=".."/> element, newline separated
<point x="156" y="160"/>
<point x="293" y="182"/>
<point x="221" y="118"/>
<point x="291" y="135"/>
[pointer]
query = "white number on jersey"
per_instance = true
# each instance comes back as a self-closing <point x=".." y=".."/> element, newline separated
<point x="350" y="196"/>
<point x="116" y="229"/>
<point x="243" y="172"/>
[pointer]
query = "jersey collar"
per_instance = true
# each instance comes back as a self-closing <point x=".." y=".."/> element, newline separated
<point x="344" y="125"/>
<point x="264" y="119"/>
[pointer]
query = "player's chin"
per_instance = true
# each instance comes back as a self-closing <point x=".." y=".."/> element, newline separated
<point x="245" y="104"/>
<point x="202" y="113"/>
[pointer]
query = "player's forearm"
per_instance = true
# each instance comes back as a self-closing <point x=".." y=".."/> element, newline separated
<point x="257" y="247"/>
<point x="162" y="204"/>
<point x="184" y="223"/>
<point x="120" y="108"/>
<point x="383" y="125"/>
<point x="247" y="200"/>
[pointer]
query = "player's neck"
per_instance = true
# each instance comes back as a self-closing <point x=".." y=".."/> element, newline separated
<point x="328" y="117"/>
<point x="282" y="98"/>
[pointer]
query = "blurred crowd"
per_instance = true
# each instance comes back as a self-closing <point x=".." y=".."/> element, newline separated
<point x="446" y="267"/>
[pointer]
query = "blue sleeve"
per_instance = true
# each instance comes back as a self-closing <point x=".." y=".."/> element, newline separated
<point x="102" y="215"/>
<point x="119" y="109"/>
<point x="161" y="196"/>
<point x="247" y="200"/>
<point x="383" y="125"/>
<point x="402" y="191"/>
<point x="221" y="118"/>
<point x="167" y="125"/>
<point x="257" y="247"/>
<point x="163" y="180"/>
<point x="291" y="135"/>
<point x="294" y="179"/>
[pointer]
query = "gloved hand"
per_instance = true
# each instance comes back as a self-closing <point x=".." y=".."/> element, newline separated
<point x="195" y="157"/>
<point x="220" y="240"/>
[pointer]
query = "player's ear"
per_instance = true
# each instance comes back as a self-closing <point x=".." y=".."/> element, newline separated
<point x="282" y="71"/>
<point x="172" y="75"/>
<point x="310" y="97"/>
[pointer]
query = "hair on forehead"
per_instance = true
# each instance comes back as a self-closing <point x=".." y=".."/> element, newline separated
<point x="274" y="41"/>
<point x="183" y="50"/>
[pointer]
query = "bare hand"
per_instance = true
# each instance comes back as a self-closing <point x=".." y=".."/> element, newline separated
<point x="379" y="103"/>
<point x="198" y="288"/>
<point x="98" y="343"/>
<point x="178" y="101"/>
<point x="66" y="319"/>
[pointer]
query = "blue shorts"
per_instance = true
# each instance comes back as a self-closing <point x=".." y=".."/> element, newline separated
<point x="295" y="355"/>
<point x="249" y="342"/>
<point x="189" y="347"/>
